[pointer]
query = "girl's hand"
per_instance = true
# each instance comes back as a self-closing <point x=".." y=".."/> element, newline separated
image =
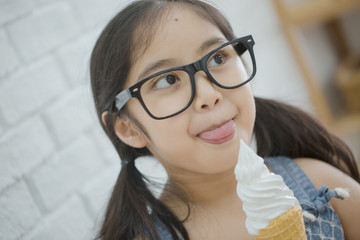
<point x="348" y="210"/>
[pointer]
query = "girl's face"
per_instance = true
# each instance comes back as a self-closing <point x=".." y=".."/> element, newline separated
<point x="205" y="137"/>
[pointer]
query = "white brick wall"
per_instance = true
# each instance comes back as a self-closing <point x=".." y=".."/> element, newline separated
<point x="23" y="148"/>
<point x="70" y="221"/>
<point x="56" y="166"/>
<point x="11" y="60"/>
<point x="47" y="27"/>
<point x="20" y="93"/>
<point x="12" y="10"/>
<point x="52" y="152"/>
<point x="78" y="163"/>
<point x="18" y="211"/>
<point x="70" y="115"/>
<point x="76" y="67"/>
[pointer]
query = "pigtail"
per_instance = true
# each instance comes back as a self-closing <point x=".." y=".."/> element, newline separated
<point x="121" y="213"/>
<point x="133" y="209"/>
<point x="281" y="129"/>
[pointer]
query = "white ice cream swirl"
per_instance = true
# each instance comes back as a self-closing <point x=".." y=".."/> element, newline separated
<point x="264" y="195"/>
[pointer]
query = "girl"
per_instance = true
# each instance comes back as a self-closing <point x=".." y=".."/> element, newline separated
<point x="169" y="79"/>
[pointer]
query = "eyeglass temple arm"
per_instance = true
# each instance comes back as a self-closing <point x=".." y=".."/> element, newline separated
<point x="122" y="98"/>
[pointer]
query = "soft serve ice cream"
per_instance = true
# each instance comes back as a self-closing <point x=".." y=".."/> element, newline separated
<point x="264" y="194"/>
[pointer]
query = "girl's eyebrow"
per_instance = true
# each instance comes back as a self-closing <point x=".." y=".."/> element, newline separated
<point x="211" y="42"/>
<point x="152" y="66"/>
<point x="158" y="64"/>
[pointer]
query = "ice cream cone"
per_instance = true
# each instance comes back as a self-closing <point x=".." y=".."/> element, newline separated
<point x="287" y="226"/>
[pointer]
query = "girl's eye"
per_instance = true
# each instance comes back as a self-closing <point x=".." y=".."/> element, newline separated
<point x="216" y="60"/>
<point x="165" y="81"/>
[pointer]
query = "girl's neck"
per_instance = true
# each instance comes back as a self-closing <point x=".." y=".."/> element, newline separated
<point x="215" y="210"/>
<point x="205" y="191"/>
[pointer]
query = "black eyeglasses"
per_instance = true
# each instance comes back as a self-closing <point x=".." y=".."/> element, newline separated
<point x="171" y="91"/>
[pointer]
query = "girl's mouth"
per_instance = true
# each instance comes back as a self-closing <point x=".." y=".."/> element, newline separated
<point x="219" y="134"/>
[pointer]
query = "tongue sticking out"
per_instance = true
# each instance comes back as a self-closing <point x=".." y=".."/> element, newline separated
<point x="220" y="134"/>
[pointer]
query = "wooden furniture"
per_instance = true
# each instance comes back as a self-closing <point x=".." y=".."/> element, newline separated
<point x="326" y="12"/>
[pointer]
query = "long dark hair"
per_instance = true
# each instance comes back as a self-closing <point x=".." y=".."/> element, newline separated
<point x="280" y="129"/>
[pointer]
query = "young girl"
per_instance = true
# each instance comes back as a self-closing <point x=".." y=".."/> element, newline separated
<point x="169" y="79"/>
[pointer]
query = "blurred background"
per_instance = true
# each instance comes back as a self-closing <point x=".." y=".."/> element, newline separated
<point x="57" y="167"/>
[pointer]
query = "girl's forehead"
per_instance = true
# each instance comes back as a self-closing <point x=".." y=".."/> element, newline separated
<point x="182" y="25"/>
<point x="179" y="37"/>
<point x="177" y="20"/>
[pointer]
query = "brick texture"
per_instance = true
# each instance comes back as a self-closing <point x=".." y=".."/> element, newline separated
<point x="11" y="10"/>
<point x="74" y="58"/>
<point x="43" y="29"/>
<point x="30" y="89"/>
<point x="70" y="222"/>
<point x="18" y="212"/>
<point x="96" y="13"/>
<point x="71" y="115"/>
<point x="19" y="153"/>
<point x="70" y="169"/>
<point x="8" y="57"/>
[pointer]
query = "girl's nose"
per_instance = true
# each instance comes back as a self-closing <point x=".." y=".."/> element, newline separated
<point x="207" y="95"/>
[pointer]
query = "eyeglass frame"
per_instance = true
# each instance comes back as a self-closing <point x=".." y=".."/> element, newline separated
<point x="200" y="65"/>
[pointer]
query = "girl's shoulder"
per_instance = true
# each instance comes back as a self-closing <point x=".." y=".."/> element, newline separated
<point x="319" y="172"/>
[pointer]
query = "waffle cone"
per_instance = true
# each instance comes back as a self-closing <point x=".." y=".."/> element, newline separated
<point x="287" y="226"/>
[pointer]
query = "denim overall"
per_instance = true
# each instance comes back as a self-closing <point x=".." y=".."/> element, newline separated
<point x="321" y="222"/>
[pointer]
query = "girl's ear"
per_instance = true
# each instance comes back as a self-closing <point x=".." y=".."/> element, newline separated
<point x="127" y="131"/>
